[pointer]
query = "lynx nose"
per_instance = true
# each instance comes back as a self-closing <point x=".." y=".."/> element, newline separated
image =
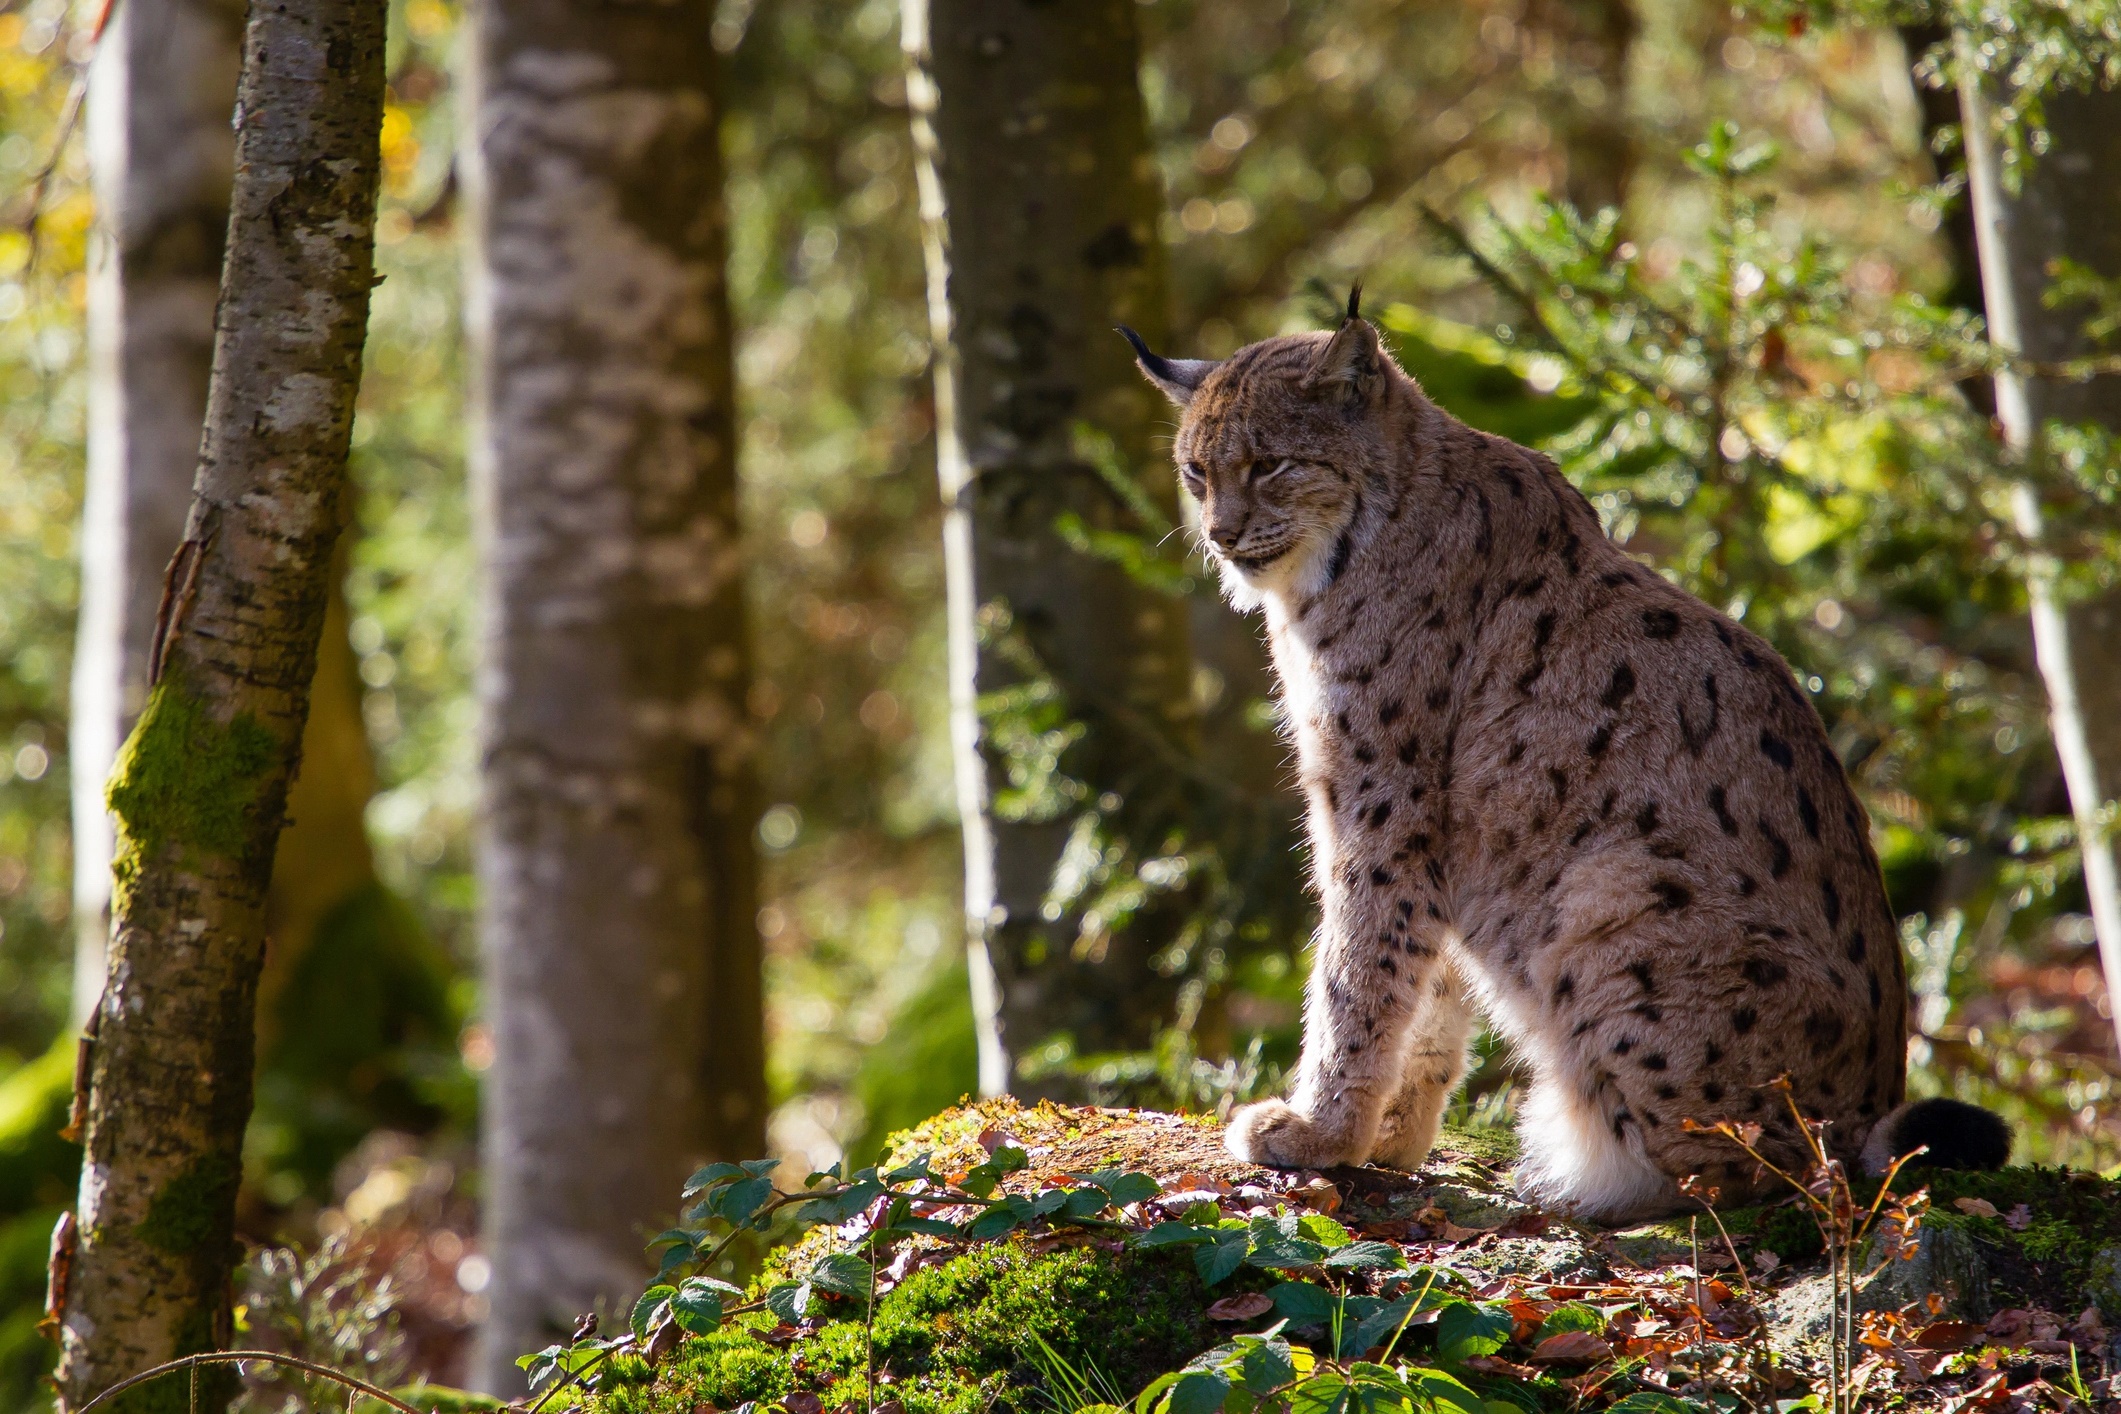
<point x="1226" y="537"/>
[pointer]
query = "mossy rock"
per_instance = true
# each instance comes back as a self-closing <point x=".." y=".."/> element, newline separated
<point x="974" y="1328"/>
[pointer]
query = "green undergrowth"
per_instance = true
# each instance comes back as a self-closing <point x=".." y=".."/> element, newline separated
<point x="954" y="1338"/>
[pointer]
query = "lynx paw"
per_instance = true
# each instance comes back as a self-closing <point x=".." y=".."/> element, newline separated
<point x="1274" y="1133"/>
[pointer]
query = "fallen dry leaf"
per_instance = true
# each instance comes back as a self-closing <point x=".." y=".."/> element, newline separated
<point x="2010" y="1326"/>
<point x="1765" y="1261"/>
<point x="1496" y="1365"/>
<point x="1947" y="1335"/>
<point x="1975" y="1207"/>
<point x="2019" y="1218"/>
<point x="1241" y="1308"/>
<point x="803" y="1402"/>
<point x="1572" y="1348"/>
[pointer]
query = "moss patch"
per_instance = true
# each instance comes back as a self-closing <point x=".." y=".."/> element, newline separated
<point x="185" y="779"/>
<point x="956" y="1338"/>
<point x="191" y="1210"/>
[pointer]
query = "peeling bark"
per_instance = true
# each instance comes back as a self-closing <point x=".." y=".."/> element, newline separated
<point x="1039" y="202"/>
<point x="200" y="788"/>
<point x="2067" y="209"/>
<point x="616" y="867"/>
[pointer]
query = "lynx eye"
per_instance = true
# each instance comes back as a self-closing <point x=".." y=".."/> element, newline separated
<point x="1263" y="469"/>
<point x="1195" y="481"/>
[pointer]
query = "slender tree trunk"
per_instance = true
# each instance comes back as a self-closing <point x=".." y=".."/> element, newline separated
<point x="1039" y="201"/>
<point x="2069" y="207"/>
<point x="162" y="154"/>
<point x="200" y="788"/>
<point x="1589" y="43"/>
<point x="616" y="866"/>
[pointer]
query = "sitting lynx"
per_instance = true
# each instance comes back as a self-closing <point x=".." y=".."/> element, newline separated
<point x="1546" y="783"/>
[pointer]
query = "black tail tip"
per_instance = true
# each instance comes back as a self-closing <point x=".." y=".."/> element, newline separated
<point x="1955" y="1134"/>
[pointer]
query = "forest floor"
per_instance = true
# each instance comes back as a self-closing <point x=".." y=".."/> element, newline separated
<point x="1998" y="1299"/>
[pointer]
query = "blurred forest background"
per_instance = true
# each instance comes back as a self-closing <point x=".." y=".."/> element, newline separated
<point x="1763" y="364"/>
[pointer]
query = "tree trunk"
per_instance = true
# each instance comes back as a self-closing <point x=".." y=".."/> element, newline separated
<point x="616" y="868"/>
<point x="1039" y="202"/>
<point x="161" y="90"/>
<point x="2067" y="209"/>
<point x="1588" y="44"/>
<point x="200" y="788"/>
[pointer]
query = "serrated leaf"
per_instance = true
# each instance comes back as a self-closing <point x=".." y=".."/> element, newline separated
<point x="1174" y="1234"/>
<point x="842" y="1274"/>
<point x="1278" y="1253"/>
<point x="737" y="1203"/>
<point x="931" y="1227"/>
<point x="1323" y="1230"/>
<point x="1221" y="1255"/>
<point x="709" y="1176"/>
<point x="1575" y="1316"/>
<point x="839" y="1207"/>
<point x="1267" y="1366"/>
<point x="1146" y="1400"/>
<point x="1442" y="1390"/>
<point x="547" y="1356"/>
<point x="648" y="1312"/>
<point x="790" y="1300"/>
<point x="906" y="1173"/>
<point x="1012" y="1212"/>
<point x="1323" y="1393"/>
<point x="1198" y="1392"/>
<point x="1372" y="1323"/>
<point x="1008" y="1159"/>
<point x="697" y="1308"/>
<point x="1303" y="1303"/>
<point x="1366" y="1256"/>
<point x="1085" y="1203"/>
<point x="759" y="1168"/>
<point x="1464" y="1330"/>
<point x="1128" y="1188"/>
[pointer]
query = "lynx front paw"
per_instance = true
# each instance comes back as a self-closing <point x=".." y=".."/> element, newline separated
<point x="1274" y="1133"/>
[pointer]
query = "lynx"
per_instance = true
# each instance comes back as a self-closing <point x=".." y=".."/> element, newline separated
<point x="1546" y="785"/>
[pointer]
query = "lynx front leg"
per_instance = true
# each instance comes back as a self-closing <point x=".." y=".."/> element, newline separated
<point x="1378" y="956"/>
<point x="1435" y="1063"/>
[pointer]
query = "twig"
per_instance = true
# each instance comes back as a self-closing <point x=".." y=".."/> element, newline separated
<point x="237" y="1357"/>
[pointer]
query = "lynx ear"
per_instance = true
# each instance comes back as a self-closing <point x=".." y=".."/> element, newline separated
<point x="1352" y="363"/>
<point x="1179" y="378"/>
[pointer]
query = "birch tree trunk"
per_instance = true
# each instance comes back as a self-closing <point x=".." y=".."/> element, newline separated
<point x="1039" y="203"/>
<point x="616" y="868"/>
<point x="161" y="90"/>
<point x="2069" y="207"/>
<point x="200" y="787"/>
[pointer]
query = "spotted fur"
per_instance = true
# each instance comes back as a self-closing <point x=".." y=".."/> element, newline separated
<point x="1544" y="784"/>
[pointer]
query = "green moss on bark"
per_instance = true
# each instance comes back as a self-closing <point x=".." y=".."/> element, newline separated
<point x="193" y="1209"/>
<point x="185" y="779"/>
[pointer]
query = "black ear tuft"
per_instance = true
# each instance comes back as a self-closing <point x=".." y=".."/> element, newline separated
<point x="1355" y="302"/>
<point x="1955" y="1134"/>
<point x="1179" y="378"/>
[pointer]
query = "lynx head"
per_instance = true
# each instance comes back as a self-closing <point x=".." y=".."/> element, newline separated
<point x="1277" y="443"/>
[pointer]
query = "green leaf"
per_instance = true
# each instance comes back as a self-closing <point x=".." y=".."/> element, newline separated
<point x="1366" y="1256"/>
<point x="906" y="1173"/>
<point x="1267" y="1366"/>
<point x="1011" y="1212"/>
<point x="711" y="1175"/>
<point x="1464" y="1330"/>
<point x="1575" y="1316"/>
<point x="1052" y="1200"/>
<point x="1170" y="1234"/>
<point x="648" y="1312"/>
<point x="1375" y="1324"/>
<point x="981" y="1182"/>
<point x="931" y="1227"/>
<point x="840" y="1206"/>
<point x="759" y="1168"/>
<point x="1278" y="1253"/>
<point x="1645" y="1401"/>
<point x="1008" y="1159"/>
<point x="1324" y="1393"/>
<point x="1146" y="1400"/>
<point x="790" y="1300"/>
<point x="1085" y="1203"/>
<point x="1125" y="1188"/>
<point x="1221" y="1255"/>
<point x="1303" y="1303"/>
<point x="697" y="1307"/>
<point x="1198" y="1392"/>
<point x="1440" y="1389"/>
<point x="842" y="1274"/>
<point x="737" y="1203"/>
<point x="1323" y="1230"/>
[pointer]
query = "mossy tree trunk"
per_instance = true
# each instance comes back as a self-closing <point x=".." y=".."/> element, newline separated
<point x="617" y="868"/>
<point x="2068" y="208"/>
<point x="200" y="788"/>
<point x="161" y="154"/>
<point x="1040" y="202"/>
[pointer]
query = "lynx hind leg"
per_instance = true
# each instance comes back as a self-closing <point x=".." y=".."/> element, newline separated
<point x="1582" y="1160"/>
<point x="1435" y="1063"/>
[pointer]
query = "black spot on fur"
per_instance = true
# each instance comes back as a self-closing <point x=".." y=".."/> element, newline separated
<point x="1654" y="1061"/>
<point x="1877" y="992"/>
<point x="1763" y="971"/>
<point x="1389" y="711"/>
<point x="1621" y="687"/>
<point x="1807" y="812"/>
<point x="1600" y="740"/>
<point x="1667" y="1091"/>
<point x="1382" y="813"/>
<point x="1778" y="850"/>
<point x="1342" y="548"/>
<point x="1435" y="867"/>
<point x="1858" y="946"/>
<point x="1560" y="781"/>
<point x="1697" y="737"/>
<point x="1605" y="807"/>
<point x="1777" y="750"/>
<point x="1643" y="974"/>
<point x="1711" y="1091"/>
<point x="1660" y="623"/>
<point x="1408" y="750"/>
<point x="1526" y="588"/>
<point x="1613" y="579"/>
<point x="1363" y="753"/>
<point x="1380" y="876"/>
<point x="1622" y="1046"/>
<point x="1438" y="695"/>
<point x="1581" y="833"/>
<point x="1824" y="1030"/>
<point x="1646" y="818"/>
<point x="1671" y="895"/>
<point x="1720" y="803"/>
<point x="1564" y="988"/>
<point x="1711" y="1053"/>
<point x="1830" y="900"/>
<point x="1743" y="1019"/>
<point x="1516" y="753"/>
<point x="1746" y="886"/>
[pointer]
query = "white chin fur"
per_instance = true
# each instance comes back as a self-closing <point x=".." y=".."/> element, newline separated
<point x="1302" y="571"/>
